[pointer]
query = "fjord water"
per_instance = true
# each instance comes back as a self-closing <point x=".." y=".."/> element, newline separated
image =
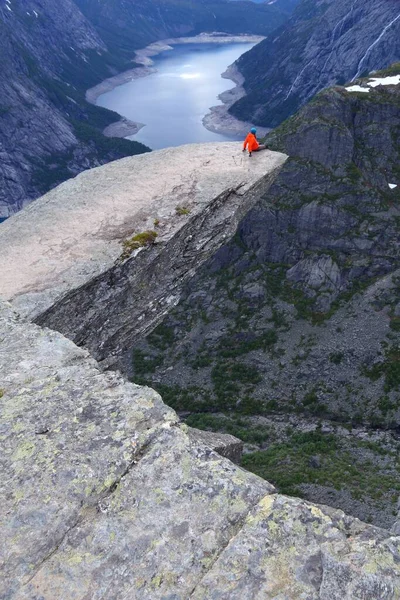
<point x="173" y="101"/>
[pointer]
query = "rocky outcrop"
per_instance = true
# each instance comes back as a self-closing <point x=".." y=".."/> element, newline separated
<point x="104" y="495"/>
<point x="226" y="445"/>
<point x="104" y="256"/>
<point x="325" y="42"/>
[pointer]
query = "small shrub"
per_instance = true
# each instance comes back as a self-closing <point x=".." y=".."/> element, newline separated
<point x="182" y="210"/>
<point x="162" y="337"/>
<point x="143" y="363"/>
<point x="336" y="357"/>
<point x="140" y="240"/>
<point x="395" y="323"/>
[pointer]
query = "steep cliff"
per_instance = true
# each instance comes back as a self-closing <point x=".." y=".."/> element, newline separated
<point x="325" y="42"/>
<point x="297" y="319"/>
<point x="132" y="233"/>
<point x="51" y="53"/>
<point x="104" y="495"/>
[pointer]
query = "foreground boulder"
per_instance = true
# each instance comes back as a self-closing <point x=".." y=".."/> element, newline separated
<point x="104" y="256"/>
<point x="105" y="495"/>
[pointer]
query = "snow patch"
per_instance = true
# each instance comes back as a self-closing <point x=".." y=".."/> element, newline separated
<point x="357" y="88"/>
<point x="395" y="80"/>
<point x="374" y="82"/>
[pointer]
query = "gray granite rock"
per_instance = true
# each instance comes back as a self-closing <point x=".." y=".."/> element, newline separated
<point x="63" y="257"/>
<point x="104" y="495"/>
<point x="224" y="444"/>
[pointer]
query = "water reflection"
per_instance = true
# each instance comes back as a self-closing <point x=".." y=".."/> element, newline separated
<point x="173" y="101"/>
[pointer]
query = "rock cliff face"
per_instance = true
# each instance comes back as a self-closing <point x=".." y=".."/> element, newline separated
<point x="104" y="495"/>
<point x="296" y="321"/>
<point x="325" y="42"/>
<point x="132" y="233"/>
<point x="51" y="53"/>
<point x="135" y="24"/>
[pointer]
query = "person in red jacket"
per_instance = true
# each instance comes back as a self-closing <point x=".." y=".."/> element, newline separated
<point x="251" y="143"/>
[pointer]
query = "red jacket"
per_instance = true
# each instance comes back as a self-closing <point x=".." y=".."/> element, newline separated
<point x="251" y="143"/>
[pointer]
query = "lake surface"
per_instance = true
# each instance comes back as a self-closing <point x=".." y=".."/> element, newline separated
<point x="173" y="101"/>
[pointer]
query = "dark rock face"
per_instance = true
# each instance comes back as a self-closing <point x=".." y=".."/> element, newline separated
<point x="298" y="314"/>
<point x="325" y="42"/>
<point x="137" y="23"/>
<point x="50" y="54"/>
<point x="47" y="55"/>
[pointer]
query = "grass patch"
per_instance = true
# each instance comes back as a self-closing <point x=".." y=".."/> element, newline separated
<point x="244" y="342"/>
<point x="140" y="240"/>
<point x="144" y="363"/>
<point x="228" y="379"/>
<point x="336" y="357"/>
<point x="287" y="465"/>
<point x="162" y="337"/>
<point x="236" y="425"/>
<point x="182" y="210"/>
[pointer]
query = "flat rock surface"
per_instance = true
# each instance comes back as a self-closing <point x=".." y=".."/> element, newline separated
<point x="105" y="496"/>
<point x="75" y="232"/>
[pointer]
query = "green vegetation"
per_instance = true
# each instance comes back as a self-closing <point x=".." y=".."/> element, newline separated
<point x="182" y="210"/>
<point x="162" y="337"/>
<point x="144" y="364"/>
<point x="389" y="368"/>
<point x="236" y="425"/>
<point x="103" y="146"/>
<point x="140" y="240"/>
<point x="336" y="357"/>
<point x="191" y="398"/>
<point x="237" y="344"/>
<point x="227" y="376"/>
<point x="287" y="465"/>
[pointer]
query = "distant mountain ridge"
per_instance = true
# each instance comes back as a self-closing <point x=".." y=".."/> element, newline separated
<point x="325" y="42"/>
<point x="52" y="52"/>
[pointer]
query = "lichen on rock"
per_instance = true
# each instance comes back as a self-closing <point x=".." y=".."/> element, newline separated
<point x="105" y="495"/>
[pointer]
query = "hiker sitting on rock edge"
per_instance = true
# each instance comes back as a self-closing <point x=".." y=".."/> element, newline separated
<point x="251" y="142"/>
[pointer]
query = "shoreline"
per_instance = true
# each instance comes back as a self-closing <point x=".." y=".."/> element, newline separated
<point x="218" y="120"/>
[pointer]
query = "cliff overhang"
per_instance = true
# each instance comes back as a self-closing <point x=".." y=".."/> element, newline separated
<point x="104" y="256"/>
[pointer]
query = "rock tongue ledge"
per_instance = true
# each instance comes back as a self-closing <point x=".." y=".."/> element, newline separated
<point x="61" y="255"/>
<point x="105" y="495"/>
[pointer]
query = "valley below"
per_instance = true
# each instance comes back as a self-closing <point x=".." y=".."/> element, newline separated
<point x="200" y="346"/>
<point x="183" y="77"/>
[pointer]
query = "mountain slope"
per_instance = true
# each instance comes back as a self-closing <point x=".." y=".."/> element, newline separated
<point x="125" y="26"/>
<point x="325" y="42"/>
<point x="50" y="54"/>
<point x="296" y="321"/>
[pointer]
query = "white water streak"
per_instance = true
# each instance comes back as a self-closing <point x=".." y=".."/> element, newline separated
<point x="360" y="64"/>
<point x="297" y="79"/>
<point x="339" y="24"/>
